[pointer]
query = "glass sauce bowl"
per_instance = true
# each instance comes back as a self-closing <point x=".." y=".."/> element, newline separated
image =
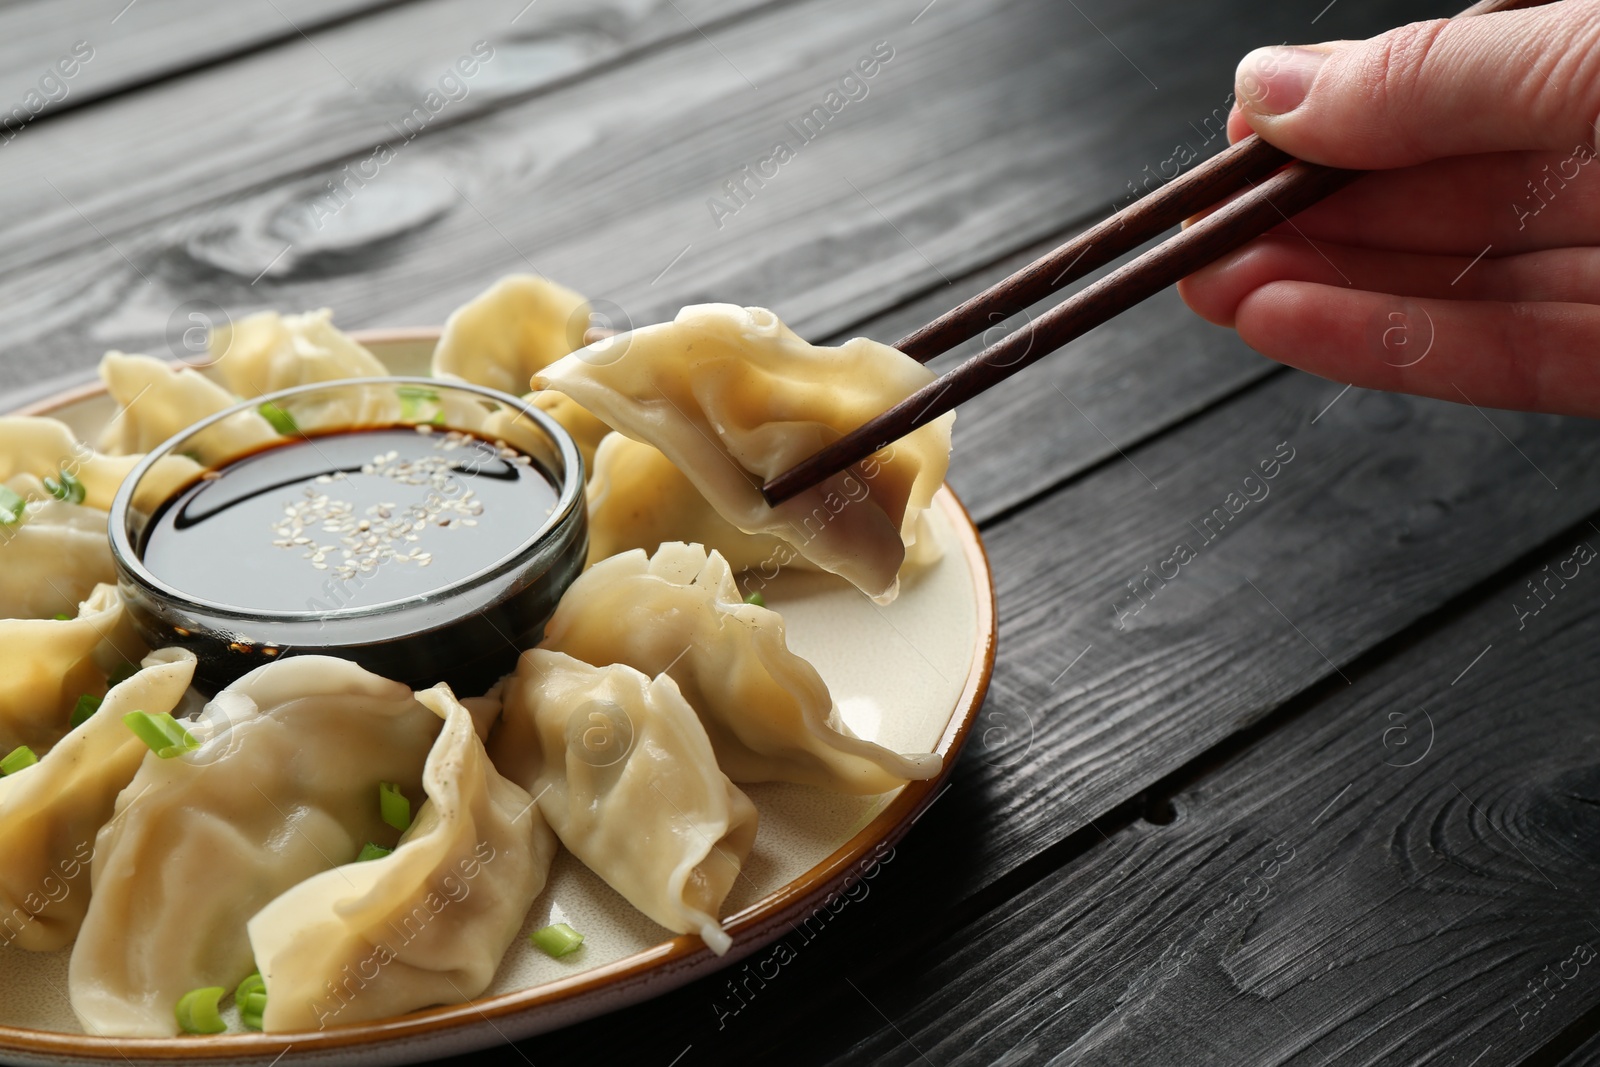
<point x="468" y="631"/>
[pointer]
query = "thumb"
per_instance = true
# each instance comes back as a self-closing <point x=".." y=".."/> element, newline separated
<point x="1519" y="80"/>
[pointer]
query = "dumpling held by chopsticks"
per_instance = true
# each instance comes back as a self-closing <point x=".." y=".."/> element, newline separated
<point x="733" y="397"/>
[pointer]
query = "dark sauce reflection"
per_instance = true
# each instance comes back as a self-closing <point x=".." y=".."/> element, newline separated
<point x="348" y="520"/>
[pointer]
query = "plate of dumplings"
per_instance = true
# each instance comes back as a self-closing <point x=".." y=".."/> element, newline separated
<point x="733" y="714"/>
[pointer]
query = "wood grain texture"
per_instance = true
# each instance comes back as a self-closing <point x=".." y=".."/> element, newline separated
<point x="320" y="100"/>
<point x="1402" y="874"/>
<point x="138" y="42"/>
<point x="974" y="141"/>
<point x="1390" y="507"/>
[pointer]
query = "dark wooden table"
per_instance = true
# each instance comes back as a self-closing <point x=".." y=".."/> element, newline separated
<point x="1328" y="794"/>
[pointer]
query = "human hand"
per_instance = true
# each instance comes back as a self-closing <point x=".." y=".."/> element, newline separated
<point x="1469" y="267"/>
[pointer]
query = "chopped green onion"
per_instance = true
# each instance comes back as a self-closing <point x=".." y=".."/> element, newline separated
<point x="412" y="399"/>
<point x="62" y="616"/>
<point x="162" y="733"/>
<point x="122" y="673"/>
<point x="251" y="996"/>
<point x="68" y="488"/>
<point x="84" y="710"/>
<point x="393" y="806"/>
<point x="279" y="419"/>
<point x="558" y="940"/>
<point x="12" y="506"/>
<point x="197" y="1011"/>
<point x="369" y="851"/>
<point x="19" y="758"/>
<point x="757" y="599"/>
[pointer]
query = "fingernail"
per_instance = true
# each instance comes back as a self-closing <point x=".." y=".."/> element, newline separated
<point x="1275" y="81"/>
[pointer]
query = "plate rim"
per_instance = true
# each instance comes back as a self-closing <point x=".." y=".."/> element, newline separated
<point x="635" y="977"/>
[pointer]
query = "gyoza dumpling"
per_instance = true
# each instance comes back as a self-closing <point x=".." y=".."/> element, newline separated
<point x="426" y="925"/>
<point x="50" y="812"/>
<point x="767" y="711"/>
<point x="638" y="499"/>
<point x="47" y="664"/>
<point x="586" y="430"/>
<point x="625" y="774"/>
<point x="44" y="448"/>
<point x="266" y="352"/>
<point x="502" y="336"/>
<point x="734" y="397"/>
<point x="52" y="557"/>
<point x="158" y="399"/>
<point x="283" y="786"/>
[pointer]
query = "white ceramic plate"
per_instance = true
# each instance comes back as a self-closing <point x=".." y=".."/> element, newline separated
<point x="910" y="676"/>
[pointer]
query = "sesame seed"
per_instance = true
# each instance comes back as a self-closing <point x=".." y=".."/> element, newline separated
<point x="385" y="532"/>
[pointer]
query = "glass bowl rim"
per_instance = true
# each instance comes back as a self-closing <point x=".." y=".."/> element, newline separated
<point x="569" y="501"/>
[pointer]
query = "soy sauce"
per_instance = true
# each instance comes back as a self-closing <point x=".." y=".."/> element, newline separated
<point x="348" y="520"/>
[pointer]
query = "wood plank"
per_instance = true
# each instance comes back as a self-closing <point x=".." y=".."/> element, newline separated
<point x="1390" y="507"/>
<point x="963" y="151"/>
<point x="130" y="44"/>
<point x="321" y="99"/>
<point x="1371" y="884"/>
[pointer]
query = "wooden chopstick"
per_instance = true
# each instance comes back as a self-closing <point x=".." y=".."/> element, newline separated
<point x="1269" y="202"/>
<point x="1279" y="197"/>
<point x="1227" y="172"/>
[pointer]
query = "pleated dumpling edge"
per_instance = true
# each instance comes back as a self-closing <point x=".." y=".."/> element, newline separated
<point x="733" y="397"/>
<point x="427" y="924"/>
